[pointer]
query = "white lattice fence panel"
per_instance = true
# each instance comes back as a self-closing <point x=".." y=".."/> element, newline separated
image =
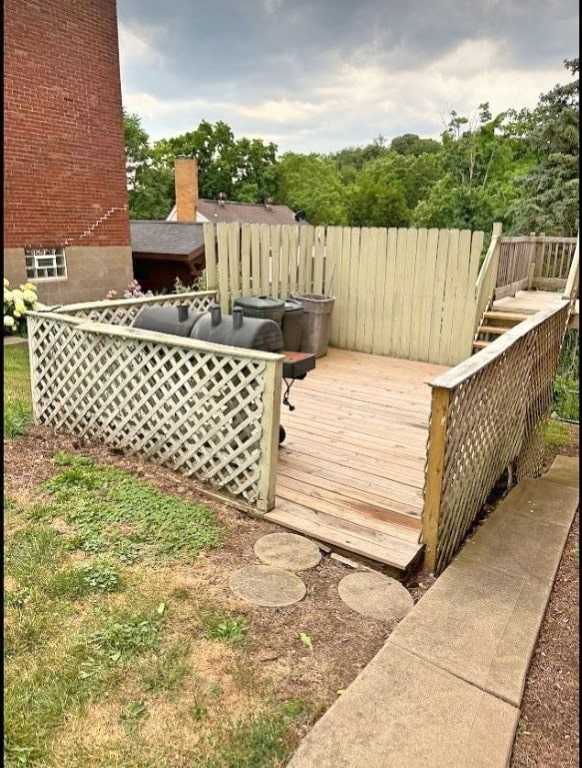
<point x="124" y="311"/>
<point x="198" y="412"/>
<point x="493" y="419"/>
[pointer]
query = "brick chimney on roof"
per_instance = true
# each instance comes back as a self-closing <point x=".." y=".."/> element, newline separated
<point x="186" y="184"/>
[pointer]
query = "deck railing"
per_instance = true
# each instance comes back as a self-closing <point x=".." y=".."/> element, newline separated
<point x="487" y="414"/>
<point x="572" y="283"/>
<point x="487" y="278"/>
<point x="209" y="411"/>
<point x="516" y="254"/>
<point x="533" y="261"/>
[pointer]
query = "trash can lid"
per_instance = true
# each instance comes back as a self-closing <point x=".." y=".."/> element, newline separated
<point x="259" y="302"/>
<point x="292" y="305"/>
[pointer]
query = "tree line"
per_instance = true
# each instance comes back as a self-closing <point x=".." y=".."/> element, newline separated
<point x="519" y="167"/>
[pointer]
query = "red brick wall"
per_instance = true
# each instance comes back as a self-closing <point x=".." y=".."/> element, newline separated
<point x="64" y="160"/>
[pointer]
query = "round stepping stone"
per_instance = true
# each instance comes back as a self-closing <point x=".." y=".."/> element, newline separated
<point x="375" y="595"/>
<point x="287" y="550"/>
<point x="263" y="585"/>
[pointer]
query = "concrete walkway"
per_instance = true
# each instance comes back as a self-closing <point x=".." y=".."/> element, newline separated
<point x="445" y="690"/>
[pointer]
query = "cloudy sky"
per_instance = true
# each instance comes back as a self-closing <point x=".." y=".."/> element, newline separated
<point x="320" y="75"/>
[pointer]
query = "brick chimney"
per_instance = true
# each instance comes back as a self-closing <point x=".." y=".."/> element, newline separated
<point x="186" y="183"/>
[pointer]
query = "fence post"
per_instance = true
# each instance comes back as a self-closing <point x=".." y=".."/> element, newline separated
<point x="269" y="446"/>
<point x="441" y="398"/>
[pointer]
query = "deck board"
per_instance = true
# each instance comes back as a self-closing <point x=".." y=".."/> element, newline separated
<point x="351" y="470"/>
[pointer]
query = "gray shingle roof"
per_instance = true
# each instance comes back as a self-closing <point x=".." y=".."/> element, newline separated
<point x="170" y="237"/>
<point x="249" y="213"/>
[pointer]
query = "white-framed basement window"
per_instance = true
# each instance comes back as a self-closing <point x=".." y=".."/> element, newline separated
<point x="45" y="263"/>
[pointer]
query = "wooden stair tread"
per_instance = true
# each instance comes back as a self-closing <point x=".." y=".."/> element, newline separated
<point x="493" y="329"/>
<point x="379" y="546"/>
<point x="516" y="317"/>
<point x="481" y="344"/>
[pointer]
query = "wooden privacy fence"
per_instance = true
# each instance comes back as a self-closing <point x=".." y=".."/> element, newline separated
<point x="206" y="410"/>
<point x="487" y="414"/>
<point x="406" y="293"/>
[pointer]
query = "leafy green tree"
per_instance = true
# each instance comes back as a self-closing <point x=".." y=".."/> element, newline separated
<point x="312" y="184"/>
<point x="150" y="188"/>
<point x="549" y="200"/>
<point x="377" y="198"/>
<point x="412" y="144"/>
<point x="482" y="160"/>
<point x="242" y="169"/>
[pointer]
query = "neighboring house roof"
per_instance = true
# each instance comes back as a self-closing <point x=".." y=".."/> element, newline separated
<point x="246" y="213"/>
<point x="166" y="237"/>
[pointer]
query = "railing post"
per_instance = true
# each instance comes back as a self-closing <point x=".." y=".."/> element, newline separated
<point x="434" y="473"/>
<point x="539" y="255"/>
<point x="269" y="446"/>
<point x="571" y="290"/>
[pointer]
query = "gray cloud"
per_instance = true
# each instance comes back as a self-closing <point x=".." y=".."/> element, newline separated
<point x="321" y="74"/>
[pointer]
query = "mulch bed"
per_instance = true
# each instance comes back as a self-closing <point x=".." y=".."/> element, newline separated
<point x="548" y="735"/>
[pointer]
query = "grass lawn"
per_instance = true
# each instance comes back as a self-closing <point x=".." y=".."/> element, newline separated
<point x="17" y="399"/>
<point x="123" y="645"/>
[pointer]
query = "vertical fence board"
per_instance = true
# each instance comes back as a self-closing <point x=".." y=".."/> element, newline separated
<point x="223" y="276"/>
<point x="353" y="291"/>
<point x="427" y="297"/>
<point x="285" y="250"/>
<point x="416" y="303"/>
<point x="408" y="290"/>
<point x="319" y="253"/>
<point x="451" y="280"/>
<point x="265" y="260"/>
<point x="380" y="290"/>
<point x="245" y="248"/>
<point x="361" y="288"/>
<point x="305" y="259"/>
<point x="457" y="300"/>
<point x="255" y="261"/>
<point x="344" y="292"/>
<point x="372" y="294"/>
<point x="391" y="245"/>
<point x="436" y="320"/>
<point x="275" y="260"/>
<point x="210" y="255"/>
<point x="234" y="265"/>
<point x="293" y="238"/>
<point x="331" y="275"/>
<point x="397" y="310"/>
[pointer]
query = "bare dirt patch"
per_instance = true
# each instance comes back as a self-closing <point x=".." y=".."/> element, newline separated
<point x="309" y="651"/>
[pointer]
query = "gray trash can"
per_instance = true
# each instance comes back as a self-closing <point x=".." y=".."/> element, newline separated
<point x="316" y="322"/>
<point x="292" y="325"/>
<point x="263" y="307"/>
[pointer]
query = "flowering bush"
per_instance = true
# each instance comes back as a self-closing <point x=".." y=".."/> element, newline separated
<point x="133" y="291"/>
<point x="17" y="303"/>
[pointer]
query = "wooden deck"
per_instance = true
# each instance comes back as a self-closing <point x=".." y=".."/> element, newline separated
<point x="530" y="302"/>
<point x="351" y="470"/>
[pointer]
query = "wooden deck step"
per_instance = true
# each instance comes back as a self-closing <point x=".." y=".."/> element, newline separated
<point x="512" y="317"/>
<point x="399" y="550"/>
<point x="480" y="344"/>
<point x="493" y="329"/>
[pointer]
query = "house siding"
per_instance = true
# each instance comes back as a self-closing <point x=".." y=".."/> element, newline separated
<point x="64" y="157"/>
